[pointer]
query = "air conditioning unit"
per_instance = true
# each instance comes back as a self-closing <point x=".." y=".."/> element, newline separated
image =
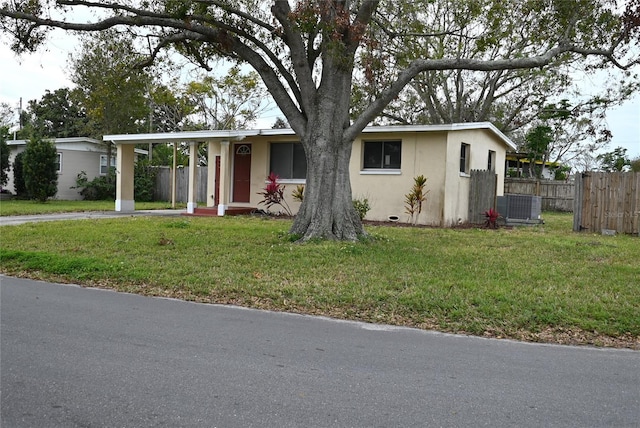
<point x="520" y="209"/>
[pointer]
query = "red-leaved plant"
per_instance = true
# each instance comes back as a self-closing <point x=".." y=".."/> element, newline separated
<point x="491" y="218"/>
<point x="273" y="194"/>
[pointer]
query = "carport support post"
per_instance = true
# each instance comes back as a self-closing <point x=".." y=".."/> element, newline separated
<point x="224" y="178"/>
<point x="192" y="203"/>
<point x="124" y="177"/>
<point x="211" y="174"/>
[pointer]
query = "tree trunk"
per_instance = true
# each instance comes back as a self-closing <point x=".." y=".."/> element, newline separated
<point x="327" y="210"/>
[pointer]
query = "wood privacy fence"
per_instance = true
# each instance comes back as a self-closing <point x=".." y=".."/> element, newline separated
<point x="556" y="195"/>
<point x="607" y="201"/>
<point x="162" y="191"/>
<point x="482" y="194"/>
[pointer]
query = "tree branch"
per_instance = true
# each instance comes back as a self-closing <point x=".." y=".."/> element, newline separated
<point x="420" y="65"/>
<point x="293" y="39"/>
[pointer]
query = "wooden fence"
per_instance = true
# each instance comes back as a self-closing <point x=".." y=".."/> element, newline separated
<point x="556" y="195"/>
<point x="482" y="194"/>
<point x="607" y="201"/>
<point x="162" y="191"/>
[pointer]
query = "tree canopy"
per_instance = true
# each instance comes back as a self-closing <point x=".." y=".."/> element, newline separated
<point x="57" y="114"/>
<point x="308" y="53"/>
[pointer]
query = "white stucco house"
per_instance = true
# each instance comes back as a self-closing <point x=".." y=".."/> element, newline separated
<point x="384" y="162"/>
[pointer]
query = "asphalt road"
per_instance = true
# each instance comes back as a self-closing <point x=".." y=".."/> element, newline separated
<point x="76" y="357"/>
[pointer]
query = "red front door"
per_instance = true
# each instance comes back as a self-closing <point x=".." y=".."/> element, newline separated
<point x="241" y="172"/>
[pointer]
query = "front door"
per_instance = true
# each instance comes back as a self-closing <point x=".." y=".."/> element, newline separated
<point x="241" y="172"/>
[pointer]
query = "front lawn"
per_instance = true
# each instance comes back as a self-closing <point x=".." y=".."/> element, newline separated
<point x="541" y="283"/>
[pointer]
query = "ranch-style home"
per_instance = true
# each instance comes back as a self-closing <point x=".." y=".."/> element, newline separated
<point x="384" y="162"/>
<point x="75" y="154"/>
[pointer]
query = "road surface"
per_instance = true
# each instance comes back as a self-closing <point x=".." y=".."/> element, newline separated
<point x="79" y="357"/>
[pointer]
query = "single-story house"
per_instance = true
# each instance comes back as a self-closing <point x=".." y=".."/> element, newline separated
<point x="384" y="162"/>
<point x="75" y="154"/>
<point x="518" y="165"/>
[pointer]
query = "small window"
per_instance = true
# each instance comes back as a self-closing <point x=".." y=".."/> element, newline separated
<point x="288" y="161"/>
<point x="382" y="155"/>
<point x="103" y="164"/>
<point x="243" y="150"/>
<point x="491" y="162"/>
<point x="59" y="162"/>
<point x="464" y="158"/>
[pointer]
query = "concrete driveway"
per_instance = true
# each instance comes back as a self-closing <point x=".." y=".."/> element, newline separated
<point x="20" y="219"/>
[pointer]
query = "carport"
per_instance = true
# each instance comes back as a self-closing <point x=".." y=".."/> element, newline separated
<point x="218" y="143"/>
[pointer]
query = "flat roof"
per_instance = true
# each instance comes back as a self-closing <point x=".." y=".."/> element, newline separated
<point x="66" y="140"/>
<point x="202" y="136"/>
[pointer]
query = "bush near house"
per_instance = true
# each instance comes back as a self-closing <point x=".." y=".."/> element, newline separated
<point x="104" y="187"/>
<point x="4" y="156"/>
<point x="40" y="170"/>
<point x="18" y="177"/>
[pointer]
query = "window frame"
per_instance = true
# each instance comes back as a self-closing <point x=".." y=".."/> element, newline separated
<point x="296" y="152"/>
<point x="465" y="159"/>
<point x="491" y="161"/>
<point x="59" y="162"/>
<point x="113" y="164"/>
<point x="392" y="169"/>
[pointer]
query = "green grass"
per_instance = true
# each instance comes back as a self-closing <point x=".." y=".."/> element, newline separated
<point x="538" y="283"/>
<point x="21" y="207"/>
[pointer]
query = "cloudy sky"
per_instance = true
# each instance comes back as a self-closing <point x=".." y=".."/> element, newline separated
<point x="28" y="77"/>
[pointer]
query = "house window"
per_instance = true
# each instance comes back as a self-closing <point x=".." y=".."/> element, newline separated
<point x="103" y="164"/>
<point x="382" y="154"/>
<point x="491" y="162"/>
<point x="59" y="162"/>
<point x="465" y="152"/>
<point x="288" y="161"/>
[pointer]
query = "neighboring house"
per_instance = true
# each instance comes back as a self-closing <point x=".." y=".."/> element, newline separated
<point x="518" y="166"/>
<point x="384" y="162"/>
<point x="75" y="155"/>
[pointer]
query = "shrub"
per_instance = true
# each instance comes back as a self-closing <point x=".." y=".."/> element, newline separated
<point x="362" y="207"/>
<point x="101" y="188"/>
<point x="298" y="194"/>
<point x="18" y="176"/>
<point x="491" y="216"/>
<point x="273" y="194"/>
<point x="40" y="170"/>
<point x="414" y="199"/>
<point x="4" y="156"/>
<point x="144" y="181"/>
<point x="561" y="173"/>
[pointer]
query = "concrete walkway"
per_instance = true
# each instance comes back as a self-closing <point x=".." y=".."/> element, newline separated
<point x="20" y="219"/>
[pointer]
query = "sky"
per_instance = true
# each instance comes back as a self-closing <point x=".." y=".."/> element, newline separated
<point x="29" y="76"/>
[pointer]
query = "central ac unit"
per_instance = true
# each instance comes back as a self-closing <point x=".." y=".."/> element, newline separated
<point x="520" y="207"/>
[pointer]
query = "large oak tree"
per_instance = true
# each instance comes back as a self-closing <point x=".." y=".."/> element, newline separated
<point x="307" y="53"/>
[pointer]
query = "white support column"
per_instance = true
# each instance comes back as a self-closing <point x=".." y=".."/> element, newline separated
<point x="224" y="178"/>
<point x="211" y="174"/>
<point x="124" y="177"/>
<point x="192" y="202"/>
<point x="174" y="180"/>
